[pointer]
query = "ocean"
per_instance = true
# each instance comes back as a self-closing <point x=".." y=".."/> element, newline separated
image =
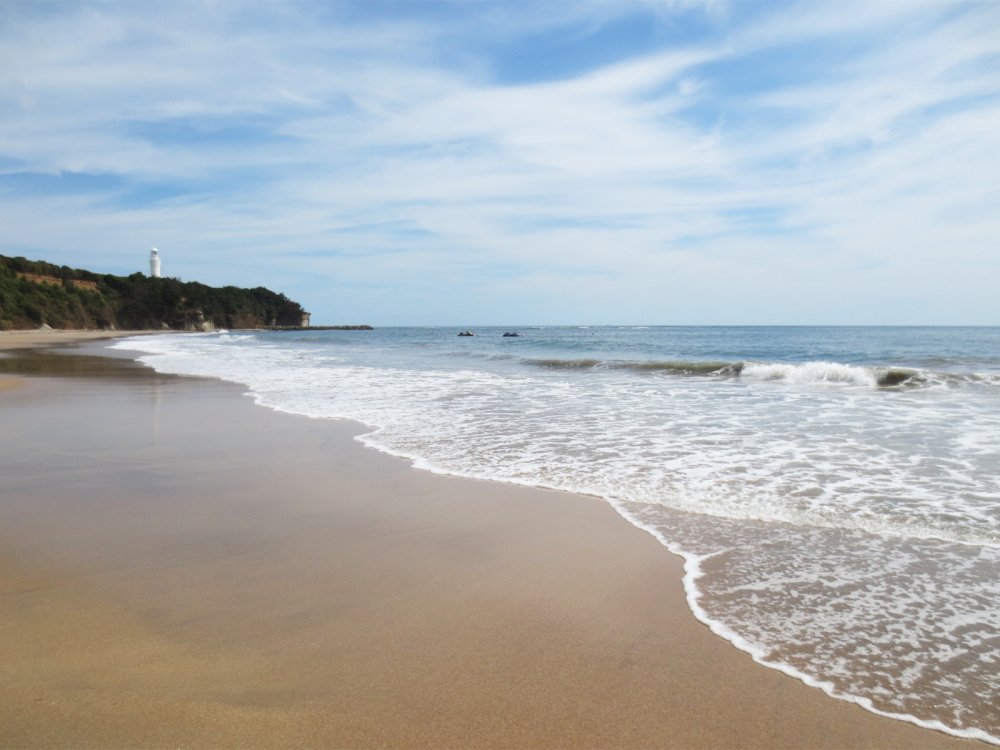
<point x="834" y="492"/>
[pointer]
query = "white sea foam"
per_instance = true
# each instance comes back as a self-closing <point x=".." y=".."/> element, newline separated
<point x="849" y="536"/>
<point x="812" y="372"/>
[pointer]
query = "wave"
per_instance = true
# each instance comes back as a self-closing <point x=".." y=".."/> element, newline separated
<point x="485" y="356"/>
<point x="831" y="373"/>
<point x="682" y="485"/>
<point x="677" y="367"/>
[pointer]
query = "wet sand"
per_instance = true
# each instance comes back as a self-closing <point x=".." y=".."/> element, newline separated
<point x="33" y="338"/>
<point x="179" y="567"/>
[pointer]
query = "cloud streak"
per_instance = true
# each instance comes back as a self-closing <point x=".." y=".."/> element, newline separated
<point x="738" y="164"/>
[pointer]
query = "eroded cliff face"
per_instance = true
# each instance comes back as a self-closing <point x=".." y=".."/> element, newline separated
<point x="201" y="324"/>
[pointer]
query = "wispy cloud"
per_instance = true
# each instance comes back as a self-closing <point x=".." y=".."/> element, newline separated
<point x="738" y="163"/>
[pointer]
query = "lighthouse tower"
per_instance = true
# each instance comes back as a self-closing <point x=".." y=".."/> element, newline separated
<point x="154" y="263"/>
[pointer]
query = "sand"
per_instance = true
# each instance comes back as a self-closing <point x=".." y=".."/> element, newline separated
<point x="34" y="338"/>
<point x="179" y="567"/>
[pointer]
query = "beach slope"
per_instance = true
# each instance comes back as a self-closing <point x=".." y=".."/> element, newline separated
<point x="179" y="567"/>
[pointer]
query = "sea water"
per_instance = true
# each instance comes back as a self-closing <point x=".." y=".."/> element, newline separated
<point x="835" y="492"/>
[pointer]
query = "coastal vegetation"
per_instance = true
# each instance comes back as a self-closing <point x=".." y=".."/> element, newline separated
<point x="35" y="294"/>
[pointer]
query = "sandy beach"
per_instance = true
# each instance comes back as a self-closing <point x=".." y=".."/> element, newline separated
<point x="182" y="568"/>
<point x="35" y="337"/>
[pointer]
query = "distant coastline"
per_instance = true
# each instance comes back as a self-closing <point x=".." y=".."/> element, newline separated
<point x="363" y="327"/>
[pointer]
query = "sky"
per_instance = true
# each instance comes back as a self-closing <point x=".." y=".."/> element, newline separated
<point x="461" y="163"/>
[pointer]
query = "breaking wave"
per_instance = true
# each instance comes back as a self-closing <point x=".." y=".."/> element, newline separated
<point x="839" y="520"/>
<point x="832" y="373"/>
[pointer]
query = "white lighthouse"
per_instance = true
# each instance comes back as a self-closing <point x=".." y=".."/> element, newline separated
<point x="154" y="263"/>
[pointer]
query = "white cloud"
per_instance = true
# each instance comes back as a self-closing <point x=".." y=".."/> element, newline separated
<point x="370" y="159"/>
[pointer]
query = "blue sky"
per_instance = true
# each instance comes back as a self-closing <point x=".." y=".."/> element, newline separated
<point x="658" y="162"/>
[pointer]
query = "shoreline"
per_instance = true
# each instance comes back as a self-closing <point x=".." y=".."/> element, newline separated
<point x="542" y="619"/>
<point x="35" y="338"/>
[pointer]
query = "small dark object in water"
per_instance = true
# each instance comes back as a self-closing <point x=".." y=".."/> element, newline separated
<point x="511" y="334"/>
<point x="466" y="333"/>
<point x="892" y="378"/>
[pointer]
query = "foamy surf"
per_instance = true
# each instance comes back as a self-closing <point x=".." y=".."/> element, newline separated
<point x="837" y="527"/>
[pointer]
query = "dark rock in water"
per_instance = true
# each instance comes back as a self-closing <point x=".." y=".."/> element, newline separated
<point x="511" y="334"/>
<point x="466" y="333"/>
<point x="730" y="371"/>
<point x="892" y="378"/>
